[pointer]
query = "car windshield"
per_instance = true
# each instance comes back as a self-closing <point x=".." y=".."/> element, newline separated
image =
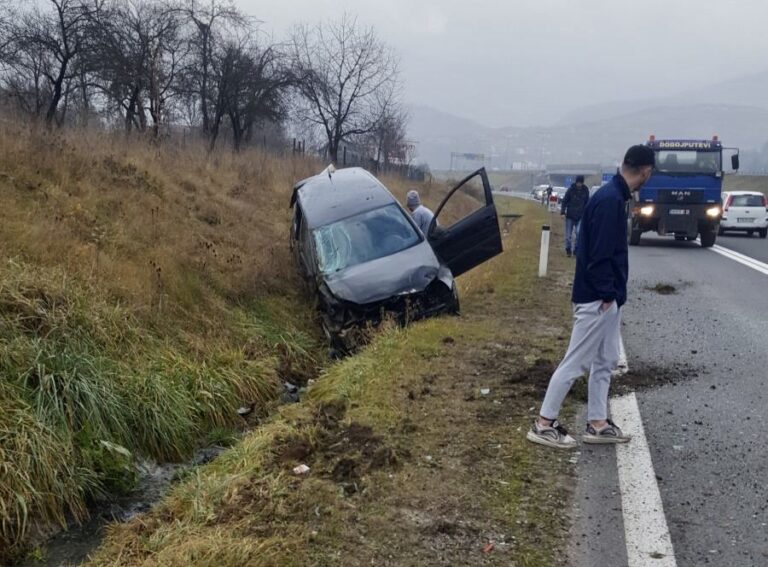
<point x="688" y="161"/>
<point x="363" y="237"/>
<point x="748" y="201"/>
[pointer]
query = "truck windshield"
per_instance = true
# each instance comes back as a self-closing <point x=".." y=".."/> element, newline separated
<point x="688" y="162"/>
<point x="363" y="237"/>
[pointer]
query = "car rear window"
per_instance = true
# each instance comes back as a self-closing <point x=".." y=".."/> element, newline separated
<point x="748" y="201"/>
<point x="362" y="238"/>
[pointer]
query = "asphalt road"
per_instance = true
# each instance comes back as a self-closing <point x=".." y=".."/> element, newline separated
<point x="706" y="422"/>
<point x="753" y="246"/>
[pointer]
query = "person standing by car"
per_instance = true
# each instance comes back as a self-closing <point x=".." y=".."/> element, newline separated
<point x="572" y="207"/>
<point x="599" y="292"/>
<point x="421" y="214"/>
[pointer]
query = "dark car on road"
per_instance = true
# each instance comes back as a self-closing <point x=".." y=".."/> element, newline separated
<point x="364" y="259"/>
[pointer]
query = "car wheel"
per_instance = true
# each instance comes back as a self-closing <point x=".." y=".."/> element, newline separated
<point x="750" y="233"/>
<point x="708" y="238"/>
<point x="634" y="237"/>
<point x="763" y="232"/>
<point x="720" y="231"/>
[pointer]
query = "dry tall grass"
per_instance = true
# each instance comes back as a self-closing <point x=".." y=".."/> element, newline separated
<point x="145" y="293"/>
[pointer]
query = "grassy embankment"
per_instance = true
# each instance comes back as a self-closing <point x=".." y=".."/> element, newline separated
<point x="412" y="461"/>
<point x="145" y="293"/>
<point x="746" y="183"/>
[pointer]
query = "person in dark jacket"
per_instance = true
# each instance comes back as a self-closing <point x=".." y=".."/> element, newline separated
<point x="572" y="207"/>
<point x="599" y="292"/>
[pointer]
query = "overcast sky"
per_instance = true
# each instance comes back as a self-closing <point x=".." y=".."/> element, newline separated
<point x="526" y="62"/>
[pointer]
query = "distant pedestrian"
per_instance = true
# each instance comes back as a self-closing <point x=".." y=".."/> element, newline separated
<point x="599" y="292"/>
<point x="572" y="207"/>
<point x="549" y="195"/>
<point x="421" y="214"/>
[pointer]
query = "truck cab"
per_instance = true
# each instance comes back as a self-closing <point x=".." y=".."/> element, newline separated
<point x="683" y="197"/>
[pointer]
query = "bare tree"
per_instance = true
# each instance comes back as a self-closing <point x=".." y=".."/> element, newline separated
<point x="251" y="84"/>
<point x="45" y="45"/>
<point x="211" y="21"/>
<point x="138" y="54"/>
<point x="388" y="137"/>
<point x="343" y="72"/>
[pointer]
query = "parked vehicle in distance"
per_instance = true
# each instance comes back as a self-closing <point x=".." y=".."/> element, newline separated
<point x="364" y="259"/>
<point x="744" y="211"/>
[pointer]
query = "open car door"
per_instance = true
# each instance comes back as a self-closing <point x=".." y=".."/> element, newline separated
<point x="475" y="237"/>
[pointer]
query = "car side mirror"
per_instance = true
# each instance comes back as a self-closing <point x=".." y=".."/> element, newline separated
<point x="735" y="162"/>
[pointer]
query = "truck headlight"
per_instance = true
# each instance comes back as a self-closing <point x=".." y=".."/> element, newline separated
<point x="713" y="212"/>
<point x="647" y="210"/>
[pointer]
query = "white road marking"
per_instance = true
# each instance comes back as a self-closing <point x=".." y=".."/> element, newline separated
<point x="756" y="265"/>
<point x="645" y="526"/>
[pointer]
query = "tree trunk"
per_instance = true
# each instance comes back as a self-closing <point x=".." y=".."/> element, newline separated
<point x="53" y="106"/>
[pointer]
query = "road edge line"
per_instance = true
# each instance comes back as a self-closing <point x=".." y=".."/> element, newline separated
<point x="645" y="527"/>
<point x="747" y="261"/>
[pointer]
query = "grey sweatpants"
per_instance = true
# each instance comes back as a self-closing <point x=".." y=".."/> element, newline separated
<point x="594" y="349"/>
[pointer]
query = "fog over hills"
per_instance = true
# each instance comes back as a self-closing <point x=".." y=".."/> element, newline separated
<point x="736" y="110"/>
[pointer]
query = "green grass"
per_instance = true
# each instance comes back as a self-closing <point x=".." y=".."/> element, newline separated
<point x="86" y="387"/>
<point x="246" y="508"/>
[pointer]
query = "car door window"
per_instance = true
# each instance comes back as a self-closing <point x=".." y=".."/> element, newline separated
<point x="467" y="199"/>
<point x="305" y="248"/>
<point x="468" y="231"/>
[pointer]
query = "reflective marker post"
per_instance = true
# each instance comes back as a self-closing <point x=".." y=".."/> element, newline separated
<point x="544" y="254"/>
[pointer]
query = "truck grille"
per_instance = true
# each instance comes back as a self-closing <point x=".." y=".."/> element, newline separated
<point x="681" y="196"/>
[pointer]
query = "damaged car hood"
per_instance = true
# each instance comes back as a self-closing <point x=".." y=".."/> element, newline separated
<point x="409" y="271"/>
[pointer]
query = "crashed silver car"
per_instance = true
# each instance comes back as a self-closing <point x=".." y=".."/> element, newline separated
<point x="364" y="259"/>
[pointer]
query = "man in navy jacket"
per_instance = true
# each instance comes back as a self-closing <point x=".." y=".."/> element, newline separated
<point x="599" y="292"/>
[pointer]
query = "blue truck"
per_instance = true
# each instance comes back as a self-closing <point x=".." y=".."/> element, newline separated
<point x="683" y="197"/>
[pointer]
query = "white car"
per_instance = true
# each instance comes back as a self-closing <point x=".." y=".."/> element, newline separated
<point x="745" y="211"/>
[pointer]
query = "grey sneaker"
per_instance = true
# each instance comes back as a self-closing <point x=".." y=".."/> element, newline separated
<point x="609" y="434"/>
<point x="554" y="435"/>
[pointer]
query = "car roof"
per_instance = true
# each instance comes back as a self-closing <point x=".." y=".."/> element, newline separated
<point x="743" y="193"/>
<point x="332" y="196"/>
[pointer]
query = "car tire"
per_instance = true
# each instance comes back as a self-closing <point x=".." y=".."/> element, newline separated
<point x="708" y="238"/>
<point x="720" y="231"/>
<point x="763" y="232"/>
<point x="634" y="237"/>
<point x="750" y="233"/>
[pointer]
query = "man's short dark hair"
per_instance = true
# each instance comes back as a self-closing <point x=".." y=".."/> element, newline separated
<point x="639" y="156"/>
<point x="579" y="179"/>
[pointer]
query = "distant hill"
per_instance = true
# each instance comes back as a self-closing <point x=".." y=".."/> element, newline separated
<point x="736" y="110"/>
<point x="750" y="91"/>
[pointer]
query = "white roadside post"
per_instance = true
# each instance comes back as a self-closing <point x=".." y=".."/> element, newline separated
<point x="544" y="254"/>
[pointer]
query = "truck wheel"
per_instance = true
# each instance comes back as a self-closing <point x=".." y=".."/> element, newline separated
<point x="708" y="238"/>
<point x="763" y="232"/>
<point x="634" y="237"/>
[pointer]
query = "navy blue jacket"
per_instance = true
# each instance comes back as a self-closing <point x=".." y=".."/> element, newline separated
<point x="574" y="202"/>
<point x="602" y="262"/>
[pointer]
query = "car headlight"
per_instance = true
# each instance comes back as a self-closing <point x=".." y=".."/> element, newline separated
<point x="713" y="212"/>
<point x="647" y="210"/>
